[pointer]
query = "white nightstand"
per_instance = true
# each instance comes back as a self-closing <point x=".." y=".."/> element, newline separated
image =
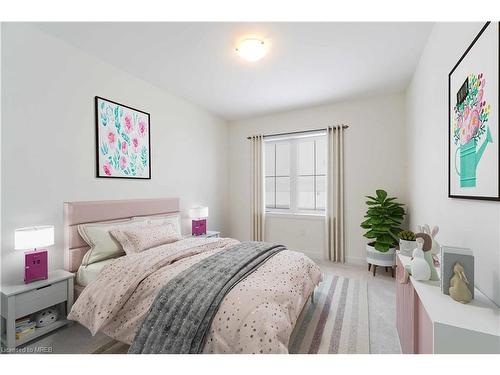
<point x="209" y="234"/>
<point x="20" y="300"/>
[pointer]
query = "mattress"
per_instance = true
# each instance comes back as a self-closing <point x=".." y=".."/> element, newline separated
<point x="87" y="274"/>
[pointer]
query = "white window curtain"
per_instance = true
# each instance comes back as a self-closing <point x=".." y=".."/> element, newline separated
<point x="258" y="199"/>
<point x="335" y="222"/>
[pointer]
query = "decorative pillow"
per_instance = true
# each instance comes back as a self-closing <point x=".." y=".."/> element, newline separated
<point x="137" y="239"/>
<point x="102" y="244"/>
<point x="175" y="219"/>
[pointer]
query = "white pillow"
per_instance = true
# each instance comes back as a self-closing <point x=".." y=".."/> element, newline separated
<point x="102" y="244"/>
<point x="175" y="219"/>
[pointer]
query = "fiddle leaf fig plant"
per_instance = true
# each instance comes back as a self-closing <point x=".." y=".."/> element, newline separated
<point x="383" y="219"/>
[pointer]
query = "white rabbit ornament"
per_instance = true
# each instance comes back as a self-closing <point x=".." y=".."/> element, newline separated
<point x="419" y="268"/>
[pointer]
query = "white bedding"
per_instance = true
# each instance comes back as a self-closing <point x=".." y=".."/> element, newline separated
<point x="87" y="274"/>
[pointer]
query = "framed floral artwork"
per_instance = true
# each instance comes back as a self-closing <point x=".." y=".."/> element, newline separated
<point x="123" y="141"/>
<point x="473" y="130"/>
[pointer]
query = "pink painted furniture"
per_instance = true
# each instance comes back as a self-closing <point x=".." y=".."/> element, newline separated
<point x="35" y="265"/>
<point x="429" y="321"/>
<point x="413" y="324"/>
<point x="199" y="227"/>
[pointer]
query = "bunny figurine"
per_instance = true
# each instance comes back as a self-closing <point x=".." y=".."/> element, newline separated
<point x="418" y="267"/>
<point x="459" y="290"/>
<point x="436" y="248"/>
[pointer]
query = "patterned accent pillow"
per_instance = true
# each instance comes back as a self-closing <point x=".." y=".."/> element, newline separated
<point x="140" y="238"/>
<point x="102" y="244"/>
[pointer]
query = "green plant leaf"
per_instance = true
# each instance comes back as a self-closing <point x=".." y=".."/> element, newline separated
<point x="383" y="248"/>
<point x="382" y="220"/>
<point x="382" y="228"/>
<point x="366" y="224"/>
<point x="381" y="195"/>
<point x="370" y="234"/>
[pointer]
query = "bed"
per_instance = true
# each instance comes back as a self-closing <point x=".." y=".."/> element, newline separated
<point x="118" y="296"/>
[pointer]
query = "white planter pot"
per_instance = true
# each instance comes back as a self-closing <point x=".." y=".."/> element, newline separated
<point x="375" y="257"/>
<point x="407" y="247"/>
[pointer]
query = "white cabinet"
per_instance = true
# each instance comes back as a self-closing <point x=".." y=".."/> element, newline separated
<point x="19" y="300"/>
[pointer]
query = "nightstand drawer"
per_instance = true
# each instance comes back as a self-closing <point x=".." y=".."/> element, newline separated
<point x="41" y="298"/>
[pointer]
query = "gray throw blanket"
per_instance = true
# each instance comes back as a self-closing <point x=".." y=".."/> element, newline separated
<point x="182" y="312"/>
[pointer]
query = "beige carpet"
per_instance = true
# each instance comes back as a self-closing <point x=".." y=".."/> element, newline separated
<point x="337" y="321"/>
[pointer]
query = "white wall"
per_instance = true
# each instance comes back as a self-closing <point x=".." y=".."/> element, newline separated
<point x="1" y="28"/>
<point x="465" y="223"/>
<point x="375" y="157"/>
<point x="48" y="145"/>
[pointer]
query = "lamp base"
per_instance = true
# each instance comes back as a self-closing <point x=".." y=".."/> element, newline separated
<point x="35" y="265"/>
<point x="199" y="227"/>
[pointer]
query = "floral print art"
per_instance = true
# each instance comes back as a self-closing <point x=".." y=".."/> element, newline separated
<point x="123" y="141"/>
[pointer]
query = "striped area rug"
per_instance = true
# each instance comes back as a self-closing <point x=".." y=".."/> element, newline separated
<point x="337" y="321"/>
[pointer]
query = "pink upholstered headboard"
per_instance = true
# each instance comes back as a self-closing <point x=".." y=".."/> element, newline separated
<point x="88" y="212"/>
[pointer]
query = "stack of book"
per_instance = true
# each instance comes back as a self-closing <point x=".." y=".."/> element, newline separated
<point x="24" y="327"/>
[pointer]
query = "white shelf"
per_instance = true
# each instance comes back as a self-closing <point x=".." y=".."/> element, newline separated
<point x="19" y="299"/>
<point x="480" y="315"/>
<point x="39" y="332"/>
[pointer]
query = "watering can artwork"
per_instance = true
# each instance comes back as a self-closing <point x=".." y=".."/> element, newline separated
<point x="471" y="115"/>
<point x="470" y="157"/>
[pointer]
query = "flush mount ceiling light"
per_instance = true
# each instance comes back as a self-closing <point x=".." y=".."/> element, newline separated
<point x="251" y="49"/>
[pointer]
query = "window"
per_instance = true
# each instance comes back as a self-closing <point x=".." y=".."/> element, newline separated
<point x="295" y="174"/>
<point x="277" y="170"/>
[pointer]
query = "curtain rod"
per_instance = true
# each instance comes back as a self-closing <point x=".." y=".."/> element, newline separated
<point x="298" y="132"/>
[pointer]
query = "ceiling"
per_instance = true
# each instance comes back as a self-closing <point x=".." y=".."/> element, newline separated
<point x="307" y="63"/>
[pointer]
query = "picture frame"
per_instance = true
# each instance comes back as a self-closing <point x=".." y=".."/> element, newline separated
<point x="473" y="119"/>
<point x="123" y="141"/>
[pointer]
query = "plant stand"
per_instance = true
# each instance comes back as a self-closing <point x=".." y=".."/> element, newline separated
<point x="386" y="269"/>
<point x="375" y="259"/>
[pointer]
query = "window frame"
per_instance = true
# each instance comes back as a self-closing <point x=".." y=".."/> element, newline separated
<point x="293" y="141"/>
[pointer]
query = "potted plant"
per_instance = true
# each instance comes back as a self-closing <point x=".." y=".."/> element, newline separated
<point x="383" y="219"/>
<point x="407" y="242"/>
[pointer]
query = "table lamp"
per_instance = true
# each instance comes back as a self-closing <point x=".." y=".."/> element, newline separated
<point x="35" y="260"/>
<point x="199" y="223"/>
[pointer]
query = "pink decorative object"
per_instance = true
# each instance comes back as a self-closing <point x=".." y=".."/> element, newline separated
<point x="35" y="261"/>
<point x="415" y="329"/>
<point x="35" y="265"/>
<point x="199" y="223"/>
<point x="199" y="227"/>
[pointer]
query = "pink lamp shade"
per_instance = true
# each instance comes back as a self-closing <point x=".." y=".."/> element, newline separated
<point x="35" y="260"/>
<point x="199" y="223"/>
